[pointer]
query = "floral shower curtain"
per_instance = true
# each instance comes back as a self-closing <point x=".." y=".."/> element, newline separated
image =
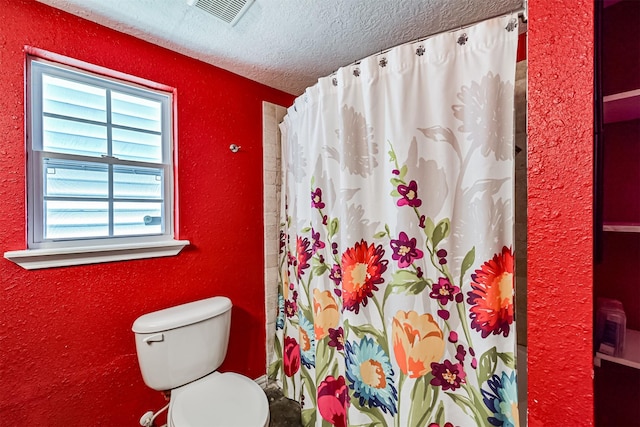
<point x="396" y="242"/>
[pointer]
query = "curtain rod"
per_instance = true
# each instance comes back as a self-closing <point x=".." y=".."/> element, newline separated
<point x="522" y="16"/>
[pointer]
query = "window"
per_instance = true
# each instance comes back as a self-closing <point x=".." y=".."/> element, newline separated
<point x="99" y="170"/>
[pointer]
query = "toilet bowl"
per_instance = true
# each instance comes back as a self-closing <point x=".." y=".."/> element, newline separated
<point x="219" y="399"/>
<point x="180" y="349"/>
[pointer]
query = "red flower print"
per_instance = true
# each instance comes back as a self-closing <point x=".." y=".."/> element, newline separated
<point x="362" y="268"/>
<point x="447" y="375"/>
<point x="491" y="299"/>
<point x="291" y="356"/>
<point x="404" y="250"/>
<point x="409" y="195"/>
<point x="303" y="254"/>
<point x="333" y="400"/>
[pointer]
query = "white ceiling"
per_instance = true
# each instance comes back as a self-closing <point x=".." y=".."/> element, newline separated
<point x="285" y="44"/>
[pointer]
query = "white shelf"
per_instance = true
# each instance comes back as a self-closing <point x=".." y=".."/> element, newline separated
<point x="631" y="354"/>
<point x="622" y="227"/>
<point x="621" y="107"/>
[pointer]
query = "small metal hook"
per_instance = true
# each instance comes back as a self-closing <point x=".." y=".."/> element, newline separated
<point x="234" y="148"/>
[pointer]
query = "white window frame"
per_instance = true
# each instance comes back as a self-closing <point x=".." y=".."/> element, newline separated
<point x="43" y="253"/>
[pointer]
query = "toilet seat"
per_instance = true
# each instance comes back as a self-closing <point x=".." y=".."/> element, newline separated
<point x="219" y="400"/>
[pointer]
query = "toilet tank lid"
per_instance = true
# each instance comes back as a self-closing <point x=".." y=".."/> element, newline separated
<point x="181" y="315"/>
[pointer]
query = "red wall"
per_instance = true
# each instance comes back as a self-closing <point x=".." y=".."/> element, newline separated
<point x="560" y="208"/>
<point x="67" y="351"/>
<point x="68" y="356"/>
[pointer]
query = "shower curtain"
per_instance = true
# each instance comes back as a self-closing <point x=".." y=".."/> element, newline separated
<point x="396" y="284"/>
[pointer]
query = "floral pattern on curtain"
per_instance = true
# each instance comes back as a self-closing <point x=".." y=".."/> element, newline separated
<point x="396" y="302"/>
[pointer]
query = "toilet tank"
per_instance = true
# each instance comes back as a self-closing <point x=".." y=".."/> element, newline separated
<point x="180" y="344"/>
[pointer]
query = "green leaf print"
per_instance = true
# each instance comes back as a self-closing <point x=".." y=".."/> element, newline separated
<point x="309" y="383"/>
<point x="333" y="227"/>
<point x="441" y="232"/>
<point x="487" y="365"/>
<point x="403" y="171"/>
<point x="379" y="235"/>
<point x="428" y="228"/>
<point x="406" y="281"/>
<point x="467" y="406"/>
<point x="319" y="268"/>
<point x="274" y="368"/>
<point x="363" y="330"/>
<point x="423" y="399"/>
<point x="508" y="359"/>
<point x="396" y="182"/>
<point x="467" y="262"/>
<point x="374" y="413"/>
<point x="439" y="417"/>
<point x="324" y="355"/>
<point x="308" y="417"/>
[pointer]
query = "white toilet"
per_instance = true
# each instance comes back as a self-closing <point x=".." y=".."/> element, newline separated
<point x="179" y="349"/>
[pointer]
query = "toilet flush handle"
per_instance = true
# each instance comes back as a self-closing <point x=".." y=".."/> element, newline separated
<point x="154" y="338"/>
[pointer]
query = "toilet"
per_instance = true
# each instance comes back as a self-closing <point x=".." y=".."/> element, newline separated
<point x="180" y="349"/>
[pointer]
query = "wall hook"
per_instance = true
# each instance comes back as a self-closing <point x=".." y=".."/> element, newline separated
<point x="234" y="148"/>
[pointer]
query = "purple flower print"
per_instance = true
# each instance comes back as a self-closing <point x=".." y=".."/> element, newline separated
<point x="303" y="255"/>
<point x="291" y="306"/>
<point x="316" y="199"/>
<point x="447" y="375"/>
<point x="444" y="291"/>
<point x="336" y="338"/>
<point x="404" y="250"/>
<point x="409" y="195"/>
<point x="442" y="256"/>
<point x="282" y="241"/>
<point x="317" y="243"/>
<point x="334" y="248"/>
<point x="460" y="354"/>
<point x="336" y="274"/>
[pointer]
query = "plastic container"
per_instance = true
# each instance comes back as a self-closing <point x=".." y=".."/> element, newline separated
<point x="611" y="324"/>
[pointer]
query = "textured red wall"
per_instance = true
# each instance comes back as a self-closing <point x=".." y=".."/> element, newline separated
<point x="560" y="204"/>
<point x="67" y="352"/>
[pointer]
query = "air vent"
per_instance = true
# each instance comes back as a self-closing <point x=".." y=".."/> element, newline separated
<point x="229" y="11"/>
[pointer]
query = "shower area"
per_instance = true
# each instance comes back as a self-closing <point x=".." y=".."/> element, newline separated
<point x="273" y="116"/>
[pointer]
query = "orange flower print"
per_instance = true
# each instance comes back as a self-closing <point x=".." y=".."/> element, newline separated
<point x="362" y="268"/>
<point x="326" y="314"/>
<point x="417" y="342"/>
<point x="491" y="299"/>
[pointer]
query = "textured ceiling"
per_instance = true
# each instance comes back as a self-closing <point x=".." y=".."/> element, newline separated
<point x="285" y="44"/>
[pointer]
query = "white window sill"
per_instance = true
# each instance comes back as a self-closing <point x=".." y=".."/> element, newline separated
<point x="32" y="259"/>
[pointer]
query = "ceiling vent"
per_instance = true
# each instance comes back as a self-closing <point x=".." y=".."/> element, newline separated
<point x="229" y="11"/>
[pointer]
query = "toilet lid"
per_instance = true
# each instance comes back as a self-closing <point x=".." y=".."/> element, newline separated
<point x="219" y="400"/>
